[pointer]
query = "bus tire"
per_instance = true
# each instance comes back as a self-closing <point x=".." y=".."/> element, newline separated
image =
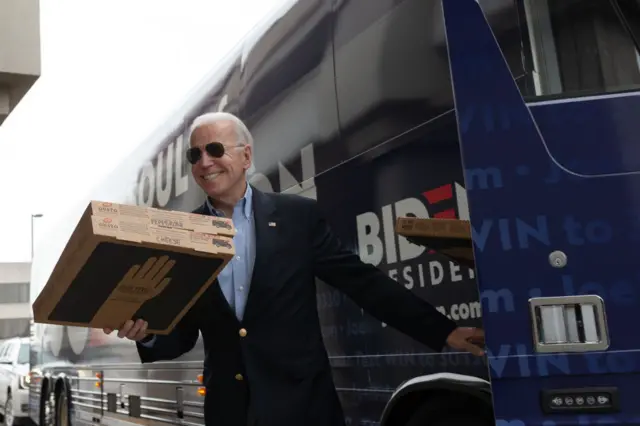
<point x="62" y="413"/>
<point x="46" y="408"/>
<point x="454" y="410"/>
<point x="62" y="410"/>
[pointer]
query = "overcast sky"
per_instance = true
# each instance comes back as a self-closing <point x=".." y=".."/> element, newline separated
<point x="111" y="70"/>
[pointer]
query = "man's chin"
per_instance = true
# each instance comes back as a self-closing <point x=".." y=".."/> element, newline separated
<point x="214" y="189"/>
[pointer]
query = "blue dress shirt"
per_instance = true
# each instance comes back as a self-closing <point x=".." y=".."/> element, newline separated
<point x="235" y="278"/>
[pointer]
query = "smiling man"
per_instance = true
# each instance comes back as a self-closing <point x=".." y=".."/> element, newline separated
<point x="220" y="154"/>
<point x="265" y="361"/>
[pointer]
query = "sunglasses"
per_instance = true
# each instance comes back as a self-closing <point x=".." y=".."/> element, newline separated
<point x="214" y="149"/>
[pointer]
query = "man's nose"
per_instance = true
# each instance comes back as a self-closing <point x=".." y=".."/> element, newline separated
<point x="206" y="160"/>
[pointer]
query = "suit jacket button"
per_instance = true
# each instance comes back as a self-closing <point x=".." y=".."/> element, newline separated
<point x="242" y="332"/>
<point x="239" y="377"/>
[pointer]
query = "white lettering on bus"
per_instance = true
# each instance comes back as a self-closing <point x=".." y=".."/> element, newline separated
<point x="169" y="162"/>
<point x="288" y="183"/>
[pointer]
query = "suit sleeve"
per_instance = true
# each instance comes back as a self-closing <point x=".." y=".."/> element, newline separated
<point x="372" y="290"/>
<point x="166" y="348"/>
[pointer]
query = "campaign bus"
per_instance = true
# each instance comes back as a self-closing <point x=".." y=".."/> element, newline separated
<point x="519" y="116"/>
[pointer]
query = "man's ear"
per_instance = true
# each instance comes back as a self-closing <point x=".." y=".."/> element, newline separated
<point x="248" y="156"/>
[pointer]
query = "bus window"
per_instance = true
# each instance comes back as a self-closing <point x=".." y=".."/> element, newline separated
<point x="582" y="47"/>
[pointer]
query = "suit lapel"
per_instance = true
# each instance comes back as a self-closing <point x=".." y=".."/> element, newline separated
<point x="265" y="218"/>
<point x="202" y="209"/>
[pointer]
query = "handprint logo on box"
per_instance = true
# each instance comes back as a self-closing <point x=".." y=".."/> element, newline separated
<point x="137" y="286"/>
<point x="145" y="282"/>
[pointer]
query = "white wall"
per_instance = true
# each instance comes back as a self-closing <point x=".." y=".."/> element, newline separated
<point x="15" y="273"/>
<point x="19" y="51"/>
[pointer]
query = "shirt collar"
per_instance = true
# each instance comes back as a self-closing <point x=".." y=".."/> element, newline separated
<point x="246" y="200"/>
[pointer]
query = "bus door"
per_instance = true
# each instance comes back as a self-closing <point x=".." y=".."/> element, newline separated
<point x="556" y="215"/>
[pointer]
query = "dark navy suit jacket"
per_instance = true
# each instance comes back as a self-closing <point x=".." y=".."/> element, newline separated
<point x="286" y="377"/>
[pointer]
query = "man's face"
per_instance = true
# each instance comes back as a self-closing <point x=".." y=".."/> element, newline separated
<point x="219" y="177"/>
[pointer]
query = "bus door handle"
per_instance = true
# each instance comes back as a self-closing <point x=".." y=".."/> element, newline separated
<point x="569" y="324"/>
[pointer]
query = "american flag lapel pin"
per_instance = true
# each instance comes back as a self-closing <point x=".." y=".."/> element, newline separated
<point x="272" y="224"/>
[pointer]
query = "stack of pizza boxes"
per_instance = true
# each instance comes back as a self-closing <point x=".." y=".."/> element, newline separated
<point x="151" y="225"/>
<point x="126" y="262"/>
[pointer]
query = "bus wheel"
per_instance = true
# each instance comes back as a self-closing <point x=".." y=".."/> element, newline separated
<point x="458" y="410"/>
<point x="62" y="410"/>
<point x="47" y="404"/>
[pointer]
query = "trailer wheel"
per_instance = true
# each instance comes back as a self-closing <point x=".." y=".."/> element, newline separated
<point x="459" y="410"/>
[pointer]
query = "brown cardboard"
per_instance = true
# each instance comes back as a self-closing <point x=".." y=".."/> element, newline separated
<point x="118" y="266"/>
<point x="450" y="237"/>
<point x="165" y="218"/>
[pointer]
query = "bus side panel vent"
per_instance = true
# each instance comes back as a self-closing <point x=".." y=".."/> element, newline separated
<point x="112" y="402"/>
<point x="134" y="406"/>
<point x="180" y="402"/>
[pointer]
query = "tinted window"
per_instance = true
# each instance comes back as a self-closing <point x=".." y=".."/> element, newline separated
<point x="23" y="355"/>
<point x="629" y="10"/>
<point x="14" y="328"/>
<point x="288" y="96"/>
<point x="14" y="293"/>
<point x="579" y="47"/>
<point x="7" y="352"/>
<point x="392" y="66"/>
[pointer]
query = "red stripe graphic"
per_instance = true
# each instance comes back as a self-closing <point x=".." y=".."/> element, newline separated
<point x="436" y="195"/>
<point x="446" y="214"/>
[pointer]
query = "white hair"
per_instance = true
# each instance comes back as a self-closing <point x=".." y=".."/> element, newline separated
<point x="243" y="133"/>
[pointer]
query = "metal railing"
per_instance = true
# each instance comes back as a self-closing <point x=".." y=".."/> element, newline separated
<point x="163" y="410"/>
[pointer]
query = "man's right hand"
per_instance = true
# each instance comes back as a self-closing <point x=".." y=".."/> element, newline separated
<point x="135" y="331"/>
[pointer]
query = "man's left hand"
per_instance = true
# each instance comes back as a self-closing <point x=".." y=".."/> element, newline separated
<point x="467" y="339"/>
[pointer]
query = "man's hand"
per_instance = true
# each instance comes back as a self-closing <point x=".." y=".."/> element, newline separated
<point x="467" y="339"/>
<point x="131" y="330"/>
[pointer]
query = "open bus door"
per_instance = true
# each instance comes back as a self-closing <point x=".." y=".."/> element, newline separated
<point x="566" y="249"/>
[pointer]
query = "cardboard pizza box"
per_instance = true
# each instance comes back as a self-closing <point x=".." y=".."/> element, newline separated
<point x="115" y="268"/>
<point x="165" y="218"/>
<point x="449" y="237"/>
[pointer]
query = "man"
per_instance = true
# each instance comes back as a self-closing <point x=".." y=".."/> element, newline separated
<point x="265" y="362"/>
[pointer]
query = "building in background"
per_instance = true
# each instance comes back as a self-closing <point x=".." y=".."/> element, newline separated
<point x="19" y="51"/>
<point x="15" y="309"/>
